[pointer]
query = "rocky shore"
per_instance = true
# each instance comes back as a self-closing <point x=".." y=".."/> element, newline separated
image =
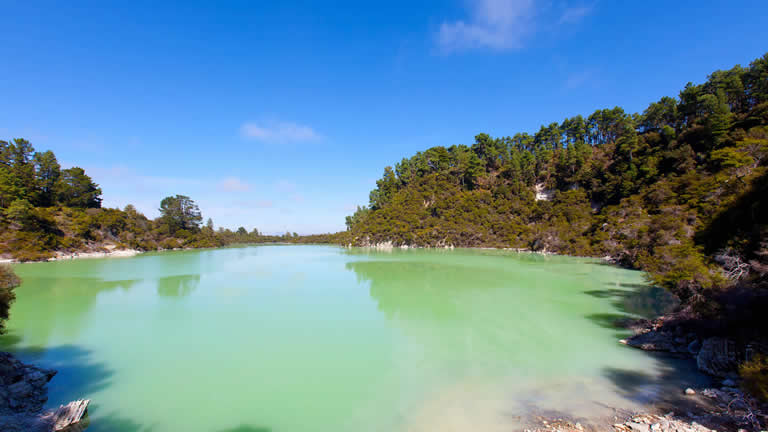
<point x="724" y="407"/>
<point x="704" y="410"/>
<point x="23" y="393"/>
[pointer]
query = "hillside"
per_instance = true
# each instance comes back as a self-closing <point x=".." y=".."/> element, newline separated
<point x="678" y="191"/>
<point x="47" y="211"/>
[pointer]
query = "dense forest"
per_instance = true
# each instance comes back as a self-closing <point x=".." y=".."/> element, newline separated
<point x="45" y="210"/>
<point x="678" y="191"/>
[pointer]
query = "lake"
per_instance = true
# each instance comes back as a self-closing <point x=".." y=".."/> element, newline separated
<point x="321" y="338"/>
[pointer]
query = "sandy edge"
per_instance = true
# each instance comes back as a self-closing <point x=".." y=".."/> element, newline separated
<point x="62" y="256"/>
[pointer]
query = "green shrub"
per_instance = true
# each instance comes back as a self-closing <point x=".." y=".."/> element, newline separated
<point x="169" y="243"/>
<point x="32" y="246"/>
<point x="8" y="282"/>
<point x="755" y="377"/>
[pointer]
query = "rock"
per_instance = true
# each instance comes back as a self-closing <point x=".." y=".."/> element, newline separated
<point x="690" y="392"/>
<point x="694" y="347"/>
<point x="717" y="357"/>
<point x="638" y="427"/>
<point x="21" y="389"/>
<point x="652" y="341"/>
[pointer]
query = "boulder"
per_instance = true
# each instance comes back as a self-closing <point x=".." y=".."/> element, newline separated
<point x="717" y="357"/>
<point x="20" y="390"/>
<point x="23" y="388"/>
<point x="652" y="341"/>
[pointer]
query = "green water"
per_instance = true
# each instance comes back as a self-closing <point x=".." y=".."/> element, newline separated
<point x="316" y="338"/>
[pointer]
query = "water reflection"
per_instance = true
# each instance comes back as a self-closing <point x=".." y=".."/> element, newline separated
<point x="477" y="317"/>
<point x="45" y="303"/>
<point x="246" y="428"/>
<point x="523" y="316"/>
<point x="642" y="300"/>
<point x="177" y="286"/>
<point x="421" y="290"/>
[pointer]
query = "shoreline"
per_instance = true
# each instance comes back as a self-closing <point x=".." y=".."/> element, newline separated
<point x="722" y="405"/>
<point x="389" y="245"/>
<point x="67" y="256"/>
<point x="127" y="253"/>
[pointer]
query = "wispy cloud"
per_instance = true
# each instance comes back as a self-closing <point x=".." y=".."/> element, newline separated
<point x="245" y="205"/>
<point x="495" y="24"/>
<point x="233" y="184"/>
<point x="504" y="25"/>
<point x="124" y="175"/>
<point x="259" y="204"/>
<point x="278" y="131"/>
<point x="573" y="15"/>
<point x="578" y="79"/>
<point x="285" y="186"/>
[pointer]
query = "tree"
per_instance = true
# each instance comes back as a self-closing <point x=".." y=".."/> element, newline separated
<point x="47" y="173"/>
<point x="17" y="173"/>
<point x="386" y="188"/>
<point x="719" y="121"/>
<point x="8" y="282"/>
<point x="20" y="212"/>
<point x="660" y="114"/>
<point x="9" y="189"/>
<point x="756" y="81"/>
<point x="357" y="217"/>
<point x="75" y="189"/>
<point x="209" y="224"/>
<point x="180" y="213"/>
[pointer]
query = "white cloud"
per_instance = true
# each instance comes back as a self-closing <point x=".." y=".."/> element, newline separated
<point x="495" y="24"/>
<point x="272" y="131"/>
<point x="233" y="184"/>
<point x="504" y="25"/>
<point x="578" y="79"/>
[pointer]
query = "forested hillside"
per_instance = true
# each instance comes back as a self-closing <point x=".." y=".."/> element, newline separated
<point x="45" y="210"/>
<point x="679" y="190"/>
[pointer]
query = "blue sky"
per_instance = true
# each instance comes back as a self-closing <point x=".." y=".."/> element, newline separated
<point x="281" y="115"/>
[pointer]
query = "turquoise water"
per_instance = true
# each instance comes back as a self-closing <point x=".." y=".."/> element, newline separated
<point x="319" y="338"/>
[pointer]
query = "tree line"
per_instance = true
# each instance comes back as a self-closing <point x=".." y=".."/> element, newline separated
<point x="35" y="179"/>
<point x="45" y="210"/>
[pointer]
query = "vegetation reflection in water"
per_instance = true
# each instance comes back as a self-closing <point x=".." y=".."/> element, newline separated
<point x="315" y="338"/>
